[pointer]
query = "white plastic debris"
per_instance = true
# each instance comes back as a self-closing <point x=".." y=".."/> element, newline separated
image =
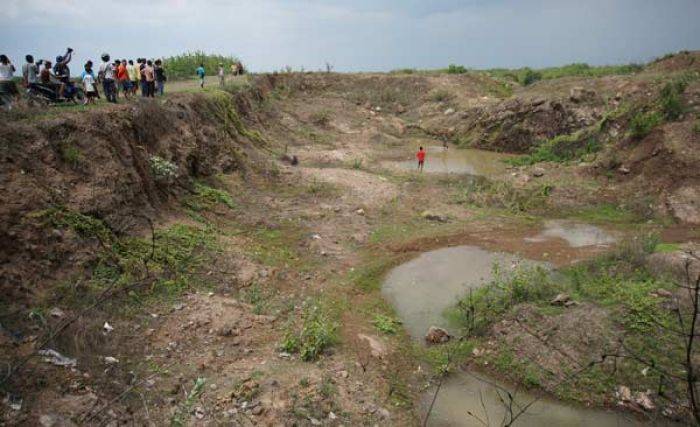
<point x="107" y="328"/>
<point x="56" y="358"/>
<point x="111" y="360"/>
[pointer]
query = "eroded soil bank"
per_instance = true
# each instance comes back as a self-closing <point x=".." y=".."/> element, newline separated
<point x="187" y="273"/>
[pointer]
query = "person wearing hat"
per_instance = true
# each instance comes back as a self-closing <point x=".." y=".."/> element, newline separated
<point x="61" y="70"/>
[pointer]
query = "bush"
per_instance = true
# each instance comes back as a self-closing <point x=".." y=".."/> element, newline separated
<point x="386" y="324"/>
<point x="162" y="169"/>
<point x="529" y="77"/>
<point x="559" y="149"/>
<point x="481" y="307"/>
<point x="321" y="118"/>
<point x="456" y="69"/>
<point x="440" y="95"/>
<point x="184" y="65"/>
<point x="642" y="124"/>
<point x="671" y="103"/>
<point x="317" y="333"/>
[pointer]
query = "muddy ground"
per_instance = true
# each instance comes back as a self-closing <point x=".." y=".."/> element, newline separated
<point x="191" y="325"/>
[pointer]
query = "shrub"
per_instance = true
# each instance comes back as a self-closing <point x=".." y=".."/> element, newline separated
<point x="317" y="333"/>
<point x="671" y="103"/>
<point x="456" y="69"/>
<point x="321" y="118"/>
<point x="206" y="197"/>
<point x="529" y="77"/>
<point x="386" y="324"/>
<point x="559" y="149"/>
<point x="162" y="169"/>
<point x="642" y="124"/>
<point x="440" y="95"/>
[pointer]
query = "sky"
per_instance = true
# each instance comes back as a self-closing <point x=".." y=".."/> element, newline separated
<point x="360" y="35"/>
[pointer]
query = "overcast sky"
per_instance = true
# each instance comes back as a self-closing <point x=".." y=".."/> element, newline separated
<point x="356" y="35"/>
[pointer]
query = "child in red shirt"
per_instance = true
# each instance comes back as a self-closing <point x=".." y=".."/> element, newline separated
<point x="420" y="155"/>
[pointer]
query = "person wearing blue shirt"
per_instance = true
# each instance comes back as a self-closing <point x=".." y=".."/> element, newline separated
<point x="201" y="72"/>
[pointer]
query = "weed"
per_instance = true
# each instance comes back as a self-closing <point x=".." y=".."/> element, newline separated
<point x="317" y="333"/>
<point x="162" y="169"/>
<point x="480" y="308"/>
<point x="180" y="417"/>
<point x="642" y="124"/>
<point x="357" y="164"/>
<point x="670" y="100"/>
<point x="255" y="296"/>
<point x="559" y="149"/>
<point x="326" y="388"/>
<point x="440" y="95"/>
<point x="605" y="213"/>
<point x="321" y="118"/>
<point x="71" y="154"/>
<point x="184" y="65"/>
<point x="498" y="194"/>
<point x="456" y="69"/>
<point x="667" y="247"/>
<point x="386" y="324"/>
<point x="206" y="197"/>
<point x="529" y="77"/>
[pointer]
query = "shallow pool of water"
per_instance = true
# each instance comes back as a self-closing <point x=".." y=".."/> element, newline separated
<point x="576" y="234"/>
<point x="459" y="161"/>
<point x="421" y="290"/>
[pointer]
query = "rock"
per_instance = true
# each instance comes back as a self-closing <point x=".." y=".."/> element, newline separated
<point x="258" y="410"/>
<point x="623" y="170"/>
<point x="199" y="413"/>
<point x="384" y="413"/>
<point x="400" y="109"/>
<point x="107" y="328"/>
<point x="560" y="299"/>
<point x="377" y="348"/>
<point x="332" y="416"/>
<point x="570" y="303"/>
<point x="684" y="203"/>
<point x="56" y="358"/>
<point x="579" y="94"/>
<point x="46" y="420"/>
<point x="449" y="111"/>
<point x="644" y="401"/>
<point x="343" y="374"/>
<point x="315" y="422"/>
<point x="57" y="313"/>
<point x="360" y="212"/>
<point x="434" y="216"/>
<point x="623" y="394"/>
<point x="109" y="360"/>
<point x="662" y="293"/>
<point x="538" y="172"/>
<point x="437" y="335"/>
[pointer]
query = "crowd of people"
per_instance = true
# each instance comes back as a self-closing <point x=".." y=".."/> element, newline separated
<point x="119" y="76"/>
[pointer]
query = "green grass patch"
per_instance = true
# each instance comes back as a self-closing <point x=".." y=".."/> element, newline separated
<point x="317" y="332"/>
<point x="385" y="324"/>
<point x="559" y="149"/>
<point x="605" y="213"/>
<point x="484" y="193"/>
<point x="206" y="198"/>
<point x="667" y="247"/>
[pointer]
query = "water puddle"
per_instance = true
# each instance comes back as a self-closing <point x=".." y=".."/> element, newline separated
<point x="421" y="290"/>
<point x="576" y="234"/>
<point x="459" y="161"/>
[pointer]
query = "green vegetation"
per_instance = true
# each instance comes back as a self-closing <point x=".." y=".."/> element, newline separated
<point x="502" y="195"/>
<point x="440" y="95"/>
<point x="696" y="127"/>
<point x="321" y="117"/>
<point x="643" y="123"/>
<point x="559" y="149"/>
<point x="184" y="65"/>
<point x="527" y="76"/>
<point x="182" y="415"/>
<point x="617" y="283"/>
<point x="606" y="213"/>
<point x="456" y="69"/>
<point x="317" y="333"/>
<point x="386" y="324"/>
<point x="205" y="198"/>
<point x="166" y="262"/>
<point x="162" y="169"/>
<point x="71" y="154"/>
<point x="670" y="100"/>
<point x="667" y="247"/>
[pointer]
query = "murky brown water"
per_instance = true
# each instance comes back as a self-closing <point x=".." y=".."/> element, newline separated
<point x="459" y="161"/>
<point x="576" y="234"/>
<point x="421" y="290"/>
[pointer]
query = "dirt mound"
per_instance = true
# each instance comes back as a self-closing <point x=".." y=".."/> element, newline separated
<point x="117" y="165"/>
<point x="683" y="60"/>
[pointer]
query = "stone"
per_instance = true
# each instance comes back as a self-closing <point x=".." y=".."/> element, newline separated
<point x="643" y="400"/>
<point x="57" y="313"/>
<point x="258" y="410"/>
<point x="560" y="299"/>
<point x="437" y="335"/>
<point x="449" y="111"/>
<point x="434" y="216"/>
<point x="360" y="211"/>
<point x="384" y="413"/>
<point x="623" y="170"/>
<point x="684" y="203"/>
<point x="377" y="348"/>
<point x="623" y="394"/>
<point x="538" y="172"/>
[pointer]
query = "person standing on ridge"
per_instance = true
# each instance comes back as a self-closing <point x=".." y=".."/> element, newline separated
<point x="150" y="76"/>
<point x="222" y="76"/>
<point x="106" y="75"/>
<point x="420" y="155"/>
<point x="133" y="73"/>
<point x="160" y="76"/>
<point x="201" y="73"/>
<point x="30" y="72"/>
